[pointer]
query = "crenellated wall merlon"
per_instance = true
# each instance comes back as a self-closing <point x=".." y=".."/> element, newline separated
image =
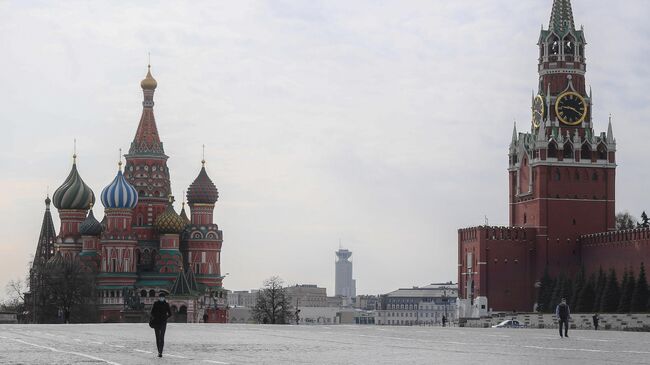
<point x="616" y="237"/>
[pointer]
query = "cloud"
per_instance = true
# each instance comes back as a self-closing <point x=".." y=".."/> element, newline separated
<point x="384" y="124"/>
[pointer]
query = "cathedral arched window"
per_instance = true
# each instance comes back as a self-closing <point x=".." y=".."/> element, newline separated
<point x="552" y="150"/>
<point x="569" y="46"/>
<point x="152" y="293"/>
<point x="602" y="152"/>
<point x="554" y="47"/>
<point x="143" y="293"/>
<point x="585" y="154"/>
<point x="568" y="151"/>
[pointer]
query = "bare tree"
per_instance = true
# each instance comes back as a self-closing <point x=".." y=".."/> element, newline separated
<point x="69" y="287"/>
<point x="273" y="304"/>
<point x="625" y="220"/>
<point x="15" y="290"/>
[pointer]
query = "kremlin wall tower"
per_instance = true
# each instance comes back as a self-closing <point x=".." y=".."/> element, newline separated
<point x="562" y="176"/>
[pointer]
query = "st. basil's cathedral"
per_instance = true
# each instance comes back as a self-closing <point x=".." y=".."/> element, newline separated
<point x="142" y="247"/>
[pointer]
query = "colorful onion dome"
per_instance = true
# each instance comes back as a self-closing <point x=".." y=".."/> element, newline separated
<point x="55" y="261"/>
<point x="169" y="221"/>
<point x="73" y="193"/>
<point x="119" y="194"/>
<point x="90" y="226"/>
<point x="202" y="190"/>
<point x="148" y="83"/>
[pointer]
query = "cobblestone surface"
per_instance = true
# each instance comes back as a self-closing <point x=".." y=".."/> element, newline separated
<point x="258" y="344"/>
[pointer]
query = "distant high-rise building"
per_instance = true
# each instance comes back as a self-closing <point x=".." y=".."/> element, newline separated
<point x="345" y="285"/>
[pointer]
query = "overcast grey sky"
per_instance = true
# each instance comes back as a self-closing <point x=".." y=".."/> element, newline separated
<point x="381" y="123"/>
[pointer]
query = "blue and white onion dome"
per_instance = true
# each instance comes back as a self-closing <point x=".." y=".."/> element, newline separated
<point x="119" y="194"/>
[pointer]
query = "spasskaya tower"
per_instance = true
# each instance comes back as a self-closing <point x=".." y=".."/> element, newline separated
<point x="561" y="185"/>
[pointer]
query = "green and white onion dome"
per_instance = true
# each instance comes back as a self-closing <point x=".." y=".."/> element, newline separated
<point x="73" y="193"/>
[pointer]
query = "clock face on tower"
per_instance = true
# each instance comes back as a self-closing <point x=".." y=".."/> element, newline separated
<point x="571" y="108"/>
<point x="538" y="111"/>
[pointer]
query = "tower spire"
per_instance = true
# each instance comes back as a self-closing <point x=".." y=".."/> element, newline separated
<point x="147" y="140"/>
<point x="45" y="247"/>
<point x="561" y="17"/>
<point x="610" y="131"/>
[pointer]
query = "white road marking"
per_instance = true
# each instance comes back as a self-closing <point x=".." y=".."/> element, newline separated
<point x="565" y="349"/>
<point x="146" y="352"/>
<point x="178" y="356"/>
<point x="67" y="352"/>
<point x="215" y="362"/>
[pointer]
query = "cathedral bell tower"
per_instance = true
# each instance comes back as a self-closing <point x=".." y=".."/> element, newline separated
<point x="146" y="166"/>
<point x="562" y="174"/>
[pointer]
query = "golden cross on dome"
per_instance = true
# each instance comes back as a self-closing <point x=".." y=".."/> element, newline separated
<point x="74" y="151"/>
<point x="203" y="159"/>
<point x="119" y="164"/>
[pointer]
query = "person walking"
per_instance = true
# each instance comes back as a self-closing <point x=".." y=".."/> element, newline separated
<point x="563" y="314"/>
<point x="160" y="312"/>
<point x="595" y="318"/>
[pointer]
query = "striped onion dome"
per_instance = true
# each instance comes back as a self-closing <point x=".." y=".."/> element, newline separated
<point x="202" y="190"/>
<point x="169" y="221"/>
<point x="90" y="226"/>
<point x="73" y="193"/>
<point x="119" y="194"/>
<point x="55" y="261"/>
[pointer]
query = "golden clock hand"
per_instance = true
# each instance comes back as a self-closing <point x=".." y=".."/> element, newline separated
<point x="570" y="108"/>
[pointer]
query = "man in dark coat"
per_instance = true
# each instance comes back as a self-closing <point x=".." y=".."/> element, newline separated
<point x="160" y="312"/>
<point x="563" y="314"/>
<point x="595" y="318"/>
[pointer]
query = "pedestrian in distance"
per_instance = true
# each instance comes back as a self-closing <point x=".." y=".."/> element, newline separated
<point x="160" y="312"/>
<point x="595" y="318"/>
<point x="444" y="321"/>
<point x="563" y="314"/>
<point x="205" y="317"/>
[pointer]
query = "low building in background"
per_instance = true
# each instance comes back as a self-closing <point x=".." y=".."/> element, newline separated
<point x="419" y="305"/>
<point x="8" y="317"/>
<point x="307" y="295"/>
<point x="240" y="315"/>
<point x="242" y="298"/>
<point x="367" y="302"/>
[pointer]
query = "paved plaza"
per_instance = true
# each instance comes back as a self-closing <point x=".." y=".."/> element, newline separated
<point x="265" y="344"/>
